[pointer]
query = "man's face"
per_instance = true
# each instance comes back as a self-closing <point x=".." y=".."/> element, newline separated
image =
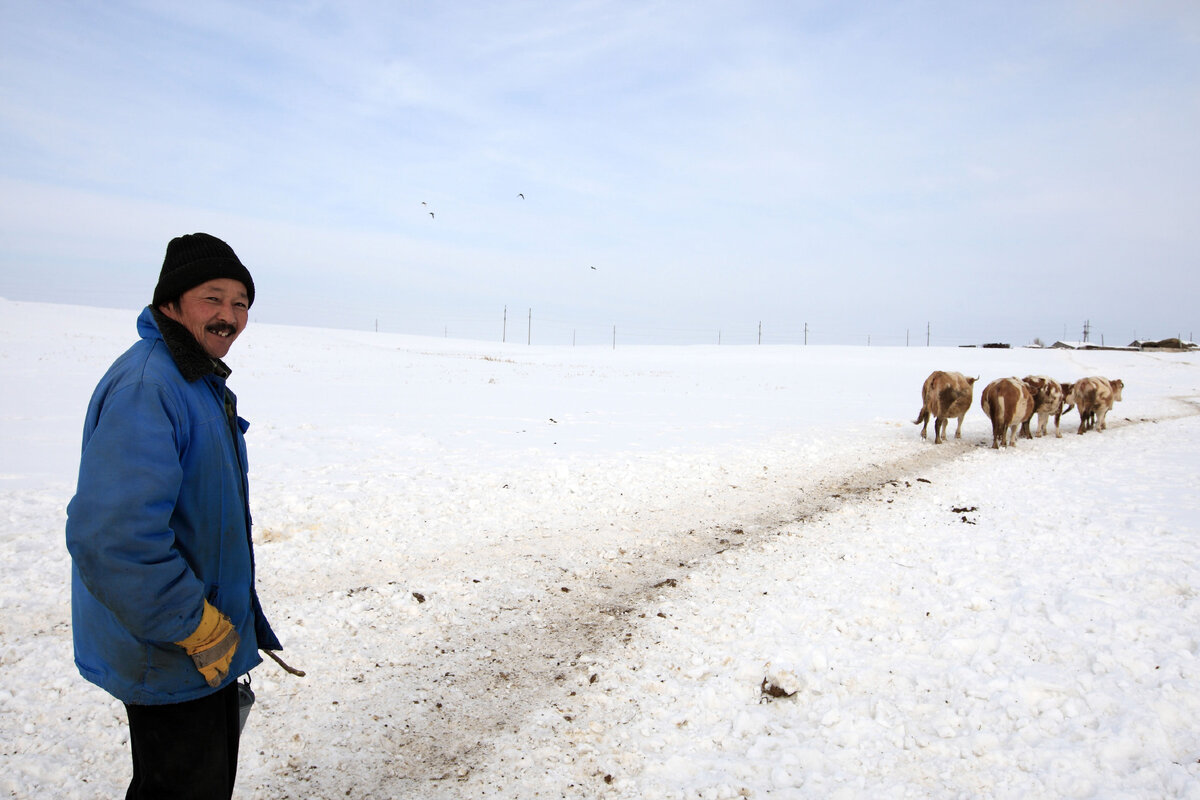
<point x="214" y="313"/>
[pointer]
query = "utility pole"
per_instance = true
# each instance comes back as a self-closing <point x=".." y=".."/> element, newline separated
<point x="529" y="329"/>
<point x="1087" y="329"/>
<point x="927" y="334"/>
<point x="760" y="332"/>
<point x="504" y="329"/>
<point x="806" y="333"/>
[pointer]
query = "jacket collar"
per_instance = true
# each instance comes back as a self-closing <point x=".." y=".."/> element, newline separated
<point x="187" y="353"/>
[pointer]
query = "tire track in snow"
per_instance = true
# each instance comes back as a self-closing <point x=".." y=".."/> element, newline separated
<point x="524" y="662"/>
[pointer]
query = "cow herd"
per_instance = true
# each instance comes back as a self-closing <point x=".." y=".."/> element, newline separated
<point x="1010" y="404"/>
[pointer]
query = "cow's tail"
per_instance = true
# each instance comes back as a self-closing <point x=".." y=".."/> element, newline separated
<point x="922" y="417"/>
<point x="991" y="407"/>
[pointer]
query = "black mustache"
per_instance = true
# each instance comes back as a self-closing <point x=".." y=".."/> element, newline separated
<point x="222" y="327"/>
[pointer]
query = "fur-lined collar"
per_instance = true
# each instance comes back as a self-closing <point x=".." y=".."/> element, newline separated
<point x="189" y="356"/>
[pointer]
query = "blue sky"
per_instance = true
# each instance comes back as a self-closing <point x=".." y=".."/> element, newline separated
<point x="992" y="171"/>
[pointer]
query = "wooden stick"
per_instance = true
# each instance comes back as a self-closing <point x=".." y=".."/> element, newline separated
<point x="297" y="672"/>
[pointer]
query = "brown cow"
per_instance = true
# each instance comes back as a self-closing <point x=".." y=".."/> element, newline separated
<point x="1094" y="398"/>
<point x="1047" y="402"/>
<point x="1069" y="404"/>
<point x="944" y="395"/>
<point x="1008" y="404"/>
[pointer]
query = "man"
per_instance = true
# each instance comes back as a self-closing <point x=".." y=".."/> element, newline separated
<point x="164" y="610"/>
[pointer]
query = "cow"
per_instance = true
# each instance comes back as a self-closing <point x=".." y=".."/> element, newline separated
<point x="1069" y="404"/>
<point x="1094" y="398"/>
<point x="1008" y="404"/>
<point x="1047" y="402"/>
<point x="944" y="395"/>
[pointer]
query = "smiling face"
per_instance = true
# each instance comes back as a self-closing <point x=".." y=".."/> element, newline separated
<point x="214" y="313"/>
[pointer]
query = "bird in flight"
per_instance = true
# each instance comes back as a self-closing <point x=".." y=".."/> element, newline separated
<point x="521" y="195"/>
<point x="431" y="214"/>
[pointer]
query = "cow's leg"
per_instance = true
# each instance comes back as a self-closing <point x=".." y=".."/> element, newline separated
<point x="958" y="432"/>
<point x="1101" y="417"/>
<point x="1057" y="432"/>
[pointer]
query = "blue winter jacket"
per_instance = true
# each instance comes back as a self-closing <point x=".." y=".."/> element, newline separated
<point x="160" y="521"/>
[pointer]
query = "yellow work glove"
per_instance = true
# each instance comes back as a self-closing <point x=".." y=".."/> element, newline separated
<point x="212" y="645"/>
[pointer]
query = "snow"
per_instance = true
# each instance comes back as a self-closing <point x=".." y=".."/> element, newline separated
<point x="515" y="571"/>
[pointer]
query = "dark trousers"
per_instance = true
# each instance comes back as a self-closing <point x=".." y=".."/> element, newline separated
<point x="185" y="751"/>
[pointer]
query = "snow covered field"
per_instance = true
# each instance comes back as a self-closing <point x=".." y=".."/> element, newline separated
<point x="518" y="572"/>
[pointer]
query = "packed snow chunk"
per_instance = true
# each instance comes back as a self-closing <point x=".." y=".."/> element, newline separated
<point x="781" y="679"/>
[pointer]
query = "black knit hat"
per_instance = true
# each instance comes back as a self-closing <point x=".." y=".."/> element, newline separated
<point x="193" y="259"/>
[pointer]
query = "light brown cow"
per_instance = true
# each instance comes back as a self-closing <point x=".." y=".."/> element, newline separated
<point x="1047" y="402"/>
<point x="944" y="395"/>
<point x="1008" y="404"/>
<point x="1069" y="404"/>
<point x="1094" y="398"/>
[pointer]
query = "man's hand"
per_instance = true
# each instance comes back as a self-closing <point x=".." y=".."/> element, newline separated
<point x="212" y="645"/>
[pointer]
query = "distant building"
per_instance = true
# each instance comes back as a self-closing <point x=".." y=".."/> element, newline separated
<point x="1087" y="346"/>
<point x="1163" y="344"/>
